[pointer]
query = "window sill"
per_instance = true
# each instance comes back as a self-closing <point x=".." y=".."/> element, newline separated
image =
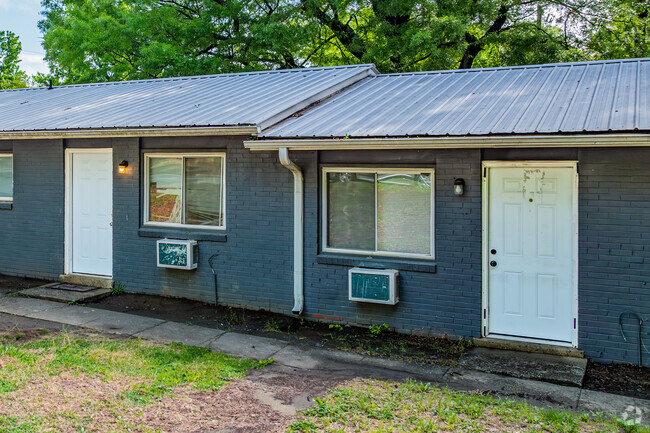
<point x="6" y="206"/>
<point x="182" y="234"/>
<point x="377" y="262"/>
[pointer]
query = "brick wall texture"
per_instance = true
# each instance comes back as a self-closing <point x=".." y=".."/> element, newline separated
<point x="254" y="264"/>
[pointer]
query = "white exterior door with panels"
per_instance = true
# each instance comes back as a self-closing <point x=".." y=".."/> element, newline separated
<point x="531" y="244"/>
<point x="90" y="213"/>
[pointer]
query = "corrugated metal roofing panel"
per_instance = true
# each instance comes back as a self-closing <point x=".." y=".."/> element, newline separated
<point x="211" y="100"/>
<point x="557" y="98"/>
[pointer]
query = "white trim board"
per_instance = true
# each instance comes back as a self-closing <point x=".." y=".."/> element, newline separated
<point x="486" y="165"/>
<point x="513" y="141"/>
<point x="131" y="132"/>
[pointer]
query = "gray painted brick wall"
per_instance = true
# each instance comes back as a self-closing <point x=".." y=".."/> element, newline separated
<point x="253" y="266"/>
<point x="254" y="263"/>
<point x="445" y="302"/>
<point x="32" y="231"/>
<point x="614" y="248"/>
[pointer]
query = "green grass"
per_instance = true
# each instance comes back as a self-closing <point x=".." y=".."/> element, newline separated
<point x="163" y="367"/>
<point x="142" y="372"/>
<point x="385" y="406"/>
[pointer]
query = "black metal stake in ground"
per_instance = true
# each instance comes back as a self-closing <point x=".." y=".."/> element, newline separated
<point x="214" y="273"/>
<point x="620" y="326"/>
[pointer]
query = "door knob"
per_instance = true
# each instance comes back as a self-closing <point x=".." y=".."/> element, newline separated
<point x="493" y="263"/>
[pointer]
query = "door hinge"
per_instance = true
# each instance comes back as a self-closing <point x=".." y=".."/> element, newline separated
<point x="485" y="331"/>
<point x="484" y="171"/>
<point x="578" y="168"/>
<point x="485" y="313"/>
<point x="575" y="322"/>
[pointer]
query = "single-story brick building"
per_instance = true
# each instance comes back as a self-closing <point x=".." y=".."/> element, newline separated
<point x="506" y="203"/>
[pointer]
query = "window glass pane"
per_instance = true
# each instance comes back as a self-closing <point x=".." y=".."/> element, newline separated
<point x="6" y="176"/>
<point x="404" y="213"/>
<point x="165" y="176"/>
<point x="203" y="191"/>
<point x="351" y="210"/>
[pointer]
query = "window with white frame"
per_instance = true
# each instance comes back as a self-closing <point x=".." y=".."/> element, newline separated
<point x="185" y="190"/>
<point x="378" y="211"/>
<point x="6" y="177"/>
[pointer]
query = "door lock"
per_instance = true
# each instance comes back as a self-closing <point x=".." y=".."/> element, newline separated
<point x="493" y="263"/>
<point x="493" y="251"/>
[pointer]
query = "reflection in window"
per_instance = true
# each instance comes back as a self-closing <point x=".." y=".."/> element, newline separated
<point x="379" y="211"/>
<point x="186" y="189"/>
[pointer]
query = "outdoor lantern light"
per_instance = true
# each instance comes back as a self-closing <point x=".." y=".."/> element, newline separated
<point x="459" y="186"/>
<point x="121" y="167"/>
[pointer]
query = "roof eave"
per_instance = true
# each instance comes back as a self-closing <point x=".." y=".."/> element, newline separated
<point x="461" y="142"/>
<point x="246" y="130"/>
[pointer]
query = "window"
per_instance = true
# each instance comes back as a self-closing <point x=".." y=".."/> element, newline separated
<point x="6" y="177"/>
<point x="382" y="212"/>
<point x="185" y="190"/>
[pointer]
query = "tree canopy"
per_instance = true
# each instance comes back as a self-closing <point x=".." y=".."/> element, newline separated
<point x="11" y="76"/>
<point x="100" y="40"/>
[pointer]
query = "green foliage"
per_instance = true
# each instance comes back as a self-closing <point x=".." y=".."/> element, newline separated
<point x="377" y="330"/>
<point x="264" y="362"/>
<point x="272" y="326"/>
<point x="110" y="40"/>
<point x="236" y="317"/>
<point x="620" y="30"/>
<point x="336" y="327"/>
<point x="118" y="288"/>
<point x="11" y="77"/>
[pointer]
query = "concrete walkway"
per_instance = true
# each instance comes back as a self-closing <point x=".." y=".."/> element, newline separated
<point x="290" y="356"/>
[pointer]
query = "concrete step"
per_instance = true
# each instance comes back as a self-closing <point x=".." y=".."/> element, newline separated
<point x="563" y="370"/>
<point x="50" y="293"/>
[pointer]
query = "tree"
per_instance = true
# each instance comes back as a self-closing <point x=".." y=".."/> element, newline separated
<point x="11" y="76"/>
<point x="622" y="30"/>
<point x="100" y="40"/>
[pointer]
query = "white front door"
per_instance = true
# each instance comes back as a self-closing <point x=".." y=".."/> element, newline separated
<point x="531" y="252"/>
<point x="91" y="203"/>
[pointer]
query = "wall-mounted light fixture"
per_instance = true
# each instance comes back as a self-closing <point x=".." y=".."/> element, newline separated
<point x="459" y="186"/>
<point x="121" y="167"/>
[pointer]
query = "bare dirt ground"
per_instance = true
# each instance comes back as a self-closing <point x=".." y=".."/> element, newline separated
<point x="267" y="400"/>
<point x="13" y="284"/>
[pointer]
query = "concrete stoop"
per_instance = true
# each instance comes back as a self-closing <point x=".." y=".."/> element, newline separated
<point x="563" y="370"/>
<point x="50" y="292"/>
<point x="468" y="374"/>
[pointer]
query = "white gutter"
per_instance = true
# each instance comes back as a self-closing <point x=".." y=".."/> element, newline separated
<point x="298" y="229"/>
<point x="604" y="140"/>
<point x="131" y="132"/>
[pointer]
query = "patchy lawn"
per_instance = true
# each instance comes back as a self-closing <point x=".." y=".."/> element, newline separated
<point x="71" y="383"/>
<point x="367" y="405"/>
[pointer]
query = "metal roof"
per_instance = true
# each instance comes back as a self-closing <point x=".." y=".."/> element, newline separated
<point x="605" y="96"/>
<point x="255" y="98"/>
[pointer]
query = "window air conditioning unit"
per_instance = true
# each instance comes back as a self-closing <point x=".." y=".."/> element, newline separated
<point x="177" y="254"/>
<point x="373" y="285"/>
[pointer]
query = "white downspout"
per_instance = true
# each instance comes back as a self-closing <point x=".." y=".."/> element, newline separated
<point x="298" y="229"/>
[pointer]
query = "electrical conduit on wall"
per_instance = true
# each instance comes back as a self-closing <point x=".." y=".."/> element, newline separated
<point x="298" y="229"/>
